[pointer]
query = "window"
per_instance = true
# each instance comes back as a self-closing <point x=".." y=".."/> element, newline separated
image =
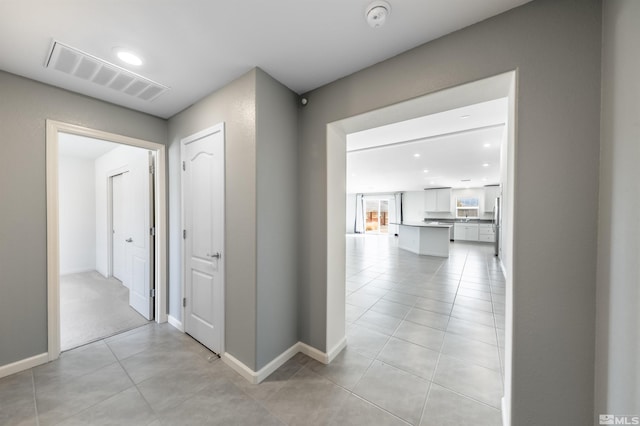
<point x="377" y="216"/>
<point x="467" y="207"/>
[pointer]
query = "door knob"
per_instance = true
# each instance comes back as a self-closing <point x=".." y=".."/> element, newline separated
<point x="129" y="240"/>
<point x="215" y="256"/>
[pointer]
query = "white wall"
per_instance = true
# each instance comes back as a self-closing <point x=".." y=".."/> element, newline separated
<point x="618" y="292"/>
<point x="77" y="213"/>
<point x="413" y="206"/>
<point x="351" y="213"/>
<point x="117" y="161"/>
<point x="506" y="176"/>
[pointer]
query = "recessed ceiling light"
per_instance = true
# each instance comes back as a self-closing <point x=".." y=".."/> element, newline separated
<point x="129" y="57"/>
<point x="425" y="171"/>
<point x="465" y="116"/>
<point x="485" y="165"/>
<point x="432" y="183"/>
<point x="416" y="155"/>
<point x="487" y="145"/>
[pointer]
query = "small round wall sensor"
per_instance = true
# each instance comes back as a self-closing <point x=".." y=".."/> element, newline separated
<point x="304" y="101"/>
<point x="377" y="13"/>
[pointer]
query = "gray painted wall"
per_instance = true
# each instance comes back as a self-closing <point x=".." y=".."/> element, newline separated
<point x="23" y="264"/>
<point x="555" y="46"/>
<point x="618" y="316"/>
<point x="235" y="105"/>
<point x="260" y="117"/>
<point x="277" y="196"/>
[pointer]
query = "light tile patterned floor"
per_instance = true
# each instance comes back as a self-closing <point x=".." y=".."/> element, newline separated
<point x="424" y="349"/>
<point x="432" y="330"/>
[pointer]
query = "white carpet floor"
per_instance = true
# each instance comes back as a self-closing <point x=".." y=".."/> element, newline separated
<point x="93" y="307"/>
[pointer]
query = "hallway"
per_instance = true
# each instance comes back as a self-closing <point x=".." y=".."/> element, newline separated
<point x="425" y="340"/>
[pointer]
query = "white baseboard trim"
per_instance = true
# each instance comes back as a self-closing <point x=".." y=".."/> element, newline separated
<point x="240" y="368"/>
<point x="23" y="364"/>
<point x="333" y="353"/>
<point x="77" y="271"/>
<point x="277" y="362"/>
<point x="314" y="353"/>
<point x="256" y="377"/>
<point x="175" y="322"/>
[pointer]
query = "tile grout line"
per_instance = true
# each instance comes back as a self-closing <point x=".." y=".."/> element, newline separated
<point x="431" y="275"/>
<point x="495" y="324"/>
<point x="35" y="400"/>
<point x="375" y="358"/>
<point x="135" y="385"/>
<point x="351" y="392"/>
<point x="435" y="367"/>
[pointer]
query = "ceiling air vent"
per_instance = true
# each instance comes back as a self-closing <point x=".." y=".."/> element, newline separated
<point x="82" y="65"/>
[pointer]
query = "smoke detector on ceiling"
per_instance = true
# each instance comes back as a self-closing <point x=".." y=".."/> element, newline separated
<point x="377" y="13"/>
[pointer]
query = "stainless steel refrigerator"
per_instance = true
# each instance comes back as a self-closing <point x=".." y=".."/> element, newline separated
<point x="497" y="218"/>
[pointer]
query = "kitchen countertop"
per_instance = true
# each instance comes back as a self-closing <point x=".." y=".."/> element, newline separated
<point x="424" y="238"/>
<point x="452" y="221"/>
<point x="426" y="224"/>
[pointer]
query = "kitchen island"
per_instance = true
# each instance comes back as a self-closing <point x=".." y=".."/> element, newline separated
<point x="431" y="239"/>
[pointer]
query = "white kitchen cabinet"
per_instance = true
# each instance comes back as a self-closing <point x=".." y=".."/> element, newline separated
<point x="444" y="199"/>
<point x="486" y="233"/>
<point x="438" y="200"/>
<point x="413" y="206"/>
<point x="431" y="200"/>
<point x="465" y="231"/>
<point x="490" y="194"/>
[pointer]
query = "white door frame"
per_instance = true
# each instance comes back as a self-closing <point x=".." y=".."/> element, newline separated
<point x="492" y="87"/>
<point x="53" y="239"/>
<point x="183" y="253"/>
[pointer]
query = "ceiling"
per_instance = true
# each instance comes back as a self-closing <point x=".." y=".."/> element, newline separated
<point x="70" y="145"/>
<point x="459" y="148"/>
<point x="197" y="46"/>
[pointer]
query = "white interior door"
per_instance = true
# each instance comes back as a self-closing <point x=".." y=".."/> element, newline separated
<point x="140" y="239"/>
<point x="118" y="231"/>
<point x="203" y="215"/>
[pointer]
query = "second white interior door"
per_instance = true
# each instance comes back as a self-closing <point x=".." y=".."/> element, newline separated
<point x="133" y="231"/>
<point x="118" y="231"/>
<point x="140" y="241"/>
<point x="203" y="209"/>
